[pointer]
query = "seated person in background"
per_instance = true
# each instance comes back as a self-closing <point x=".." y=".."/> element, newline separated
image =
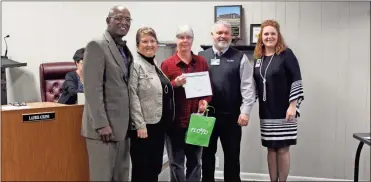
<point x="74" y="82"/>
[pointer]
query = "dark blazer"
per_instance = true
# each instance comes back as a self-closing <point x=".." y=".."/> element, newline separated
<point x="69" y="89"/>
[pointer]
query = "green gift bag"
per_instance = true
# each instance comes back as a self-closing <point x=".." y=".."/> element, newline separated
<point x="199" y="130"/>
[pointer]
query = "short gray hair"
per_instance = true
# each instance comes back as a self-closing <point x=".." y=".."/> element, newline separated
<point x="220" y="22"/>
<point x="184" y="29"/>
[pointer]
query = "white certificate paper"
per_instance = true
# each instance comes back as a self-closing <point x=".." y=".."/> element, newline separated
<point x="197" y="84"/>
<point x="80" y="99"/>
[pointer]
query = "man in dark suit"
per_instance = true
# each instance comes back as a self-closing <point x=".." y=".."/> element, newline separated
<point x="106" y="113"/>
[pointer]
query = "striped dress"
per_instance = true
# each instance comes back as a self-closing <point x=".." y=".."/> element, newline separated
<point x="278" y="82"/>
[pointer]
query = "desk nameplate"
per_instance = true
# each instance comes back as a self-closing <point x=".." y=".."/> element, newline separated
<point x="35" y="117"/>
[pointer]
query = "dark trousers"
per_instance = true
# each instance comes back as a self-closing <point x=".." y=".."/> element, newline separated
<point x="227" y="128"/>
<point x="146" y="154"/>
<point x="177" y="151"/>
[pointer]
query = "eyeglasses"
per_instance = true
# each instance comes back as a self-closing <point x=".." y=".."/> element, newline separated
<point x="120" y="19"/>
<point x="182" y="37"/>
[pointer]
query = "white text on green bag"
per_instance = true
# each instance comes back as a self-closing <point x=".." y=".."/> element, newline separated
<point x="200" y="131"/>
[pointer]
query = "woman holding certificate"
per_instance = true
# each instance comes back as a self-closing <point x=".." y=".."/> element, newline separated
<point x="177" y="67"/>
<point x="151" y="108"/>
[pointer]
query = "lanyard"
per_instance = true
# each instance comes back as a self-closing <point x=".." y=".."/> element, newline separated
<point x="264" y="77"/>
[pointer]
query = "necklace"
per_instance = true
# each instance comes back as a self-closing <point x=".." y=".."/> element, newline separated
<point x="264" y="77"/>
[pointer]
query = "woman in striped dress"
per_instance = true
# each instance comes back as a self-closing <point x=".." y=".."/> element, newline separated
<point x="279" y="89"/>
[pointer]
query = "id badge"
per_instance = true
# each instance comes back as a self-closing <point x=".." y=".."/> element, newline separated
<point x="215" y="61"/>
<point x="258" y="62"/>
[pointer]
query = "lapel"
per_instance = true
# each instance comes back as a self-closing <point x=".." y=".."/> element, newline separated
<point x="148" y="66"/>
<point x="114" y="50"/>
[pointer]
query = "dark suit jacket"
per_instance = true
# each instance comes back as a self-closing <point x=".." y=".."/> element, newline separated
<point x="69" y="89"/>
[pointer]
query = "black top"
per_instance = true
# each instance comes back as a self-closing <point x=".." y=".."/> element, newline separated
<point x="167" y="92"/>
<point x="283" y="84"/>
<point x="70" y="88"/>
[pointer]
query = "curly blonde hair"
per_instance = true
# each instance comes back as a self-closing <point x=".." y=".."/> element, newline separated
<point x="280" y="46"/>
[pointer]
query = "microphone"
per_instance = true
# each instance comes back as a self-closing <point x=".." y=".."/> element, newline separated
<point x="6" y="45"/>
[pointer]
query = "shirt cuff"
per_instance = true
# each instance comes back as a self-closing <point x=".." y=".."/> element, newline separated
<point x="100" y="125"/>
<point x="246" y="109"/>
<point x="173" y="83"/>
<point x="141" y="126"/>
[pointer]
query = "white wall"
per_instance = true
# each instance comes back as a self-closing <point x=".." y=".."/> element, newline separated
<point x="331" y="41"/>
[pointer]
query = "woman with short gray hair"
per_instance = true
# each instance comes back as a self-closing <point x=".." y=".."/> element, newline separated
<point x="174" y="67"/>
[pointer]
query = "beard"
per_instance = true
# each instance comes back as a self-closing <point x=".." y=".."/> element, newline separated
<point x="222" y="44"/>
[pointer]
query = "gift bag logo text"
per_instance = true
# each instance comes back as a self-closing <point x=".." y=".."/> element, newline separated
<point x="200" y="131"/>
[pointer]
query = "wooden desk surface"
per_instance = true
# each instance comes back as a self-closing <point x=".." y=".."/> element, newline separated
<point x="44" y="104"/>
<point x="33" y="105"/>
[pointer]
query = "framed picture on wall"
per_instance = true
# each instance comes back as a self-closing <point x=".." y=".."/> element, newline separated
<point x="254" y="33"/>
<point x="231" y="14"/>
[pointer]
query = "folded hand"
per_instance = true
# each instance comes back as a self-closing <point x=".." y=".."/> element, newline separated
<point x="290" y="113"/>
<point x="142" y="133"/>
<point x="243" y="119"/>
<point x="202" y="105"/>
<point x="106" y="133"/>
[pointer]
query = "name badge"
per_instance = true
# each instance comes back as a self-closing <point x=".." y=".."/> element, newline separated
<point x="215" y="61"/>
<point x="258" y="62"/>
<point x="230" y="60"/>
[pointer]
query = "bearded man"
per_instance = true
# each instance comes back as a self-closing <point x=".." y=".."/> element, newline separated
<point x="233" y="87"/>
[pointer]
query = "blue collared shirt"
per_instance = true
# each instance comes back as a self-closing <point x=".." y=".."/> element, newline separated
<point x="125" y="61"/>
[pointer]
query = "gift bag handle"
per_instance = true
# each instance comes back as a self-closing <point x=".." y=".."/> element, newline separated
<point x="207" y="110"/>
